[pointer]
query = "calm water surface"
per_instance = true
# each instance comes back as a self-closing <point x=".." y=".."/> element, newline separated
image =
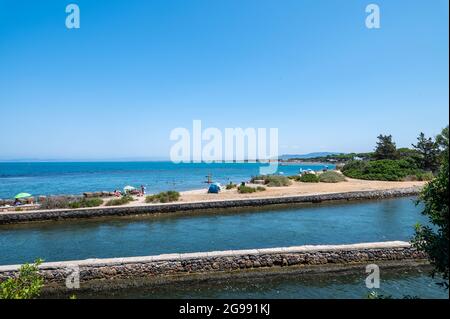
<point x="412" y="282"/>
<point x="312" y="224"/>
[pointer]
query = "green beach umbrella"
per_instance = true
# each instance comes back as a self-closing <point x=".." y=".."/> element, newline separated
<point x="22" y="195"/>
<point x="128" y="188"/>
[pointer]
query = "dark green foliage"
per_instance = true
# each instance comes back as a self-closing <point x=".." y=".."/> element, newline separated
<point x="26" y="285"/>
<point x="119" y="201"/>
<point x="331" y="177"/>
<point x="385" y="148"/>
<point x="273" y="180"/>
<point x="382" y="170"/>
<point x="428" y="151"/>
<point x="243" y="189"/>
<point x="231" y="186"/>
<point x="424" y="176"/>
<point x="70" y="202"/>
<point x="435" y="240"/>
<point x="442" y="142"/>
<point x="86" y="202"/>
<point x="163" y="197"/>
<point x="309" y="178"/>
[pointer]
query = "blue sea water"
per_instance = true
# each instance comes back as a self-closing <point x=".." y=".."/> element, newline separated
<point x="53" y="178"/>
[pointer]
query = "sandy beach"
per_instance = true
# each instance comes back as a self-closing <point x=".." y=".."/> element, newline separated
<point x="297" y="188"/>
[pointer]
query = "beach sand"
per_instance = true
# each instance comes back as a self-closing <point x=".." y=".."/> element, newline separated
<point x="297" y="188"/>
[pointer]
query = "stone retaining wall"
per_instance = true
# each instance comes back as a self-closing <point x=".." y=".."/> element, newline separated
<point x="163" y="267"/>
<point x="43" y="215"/>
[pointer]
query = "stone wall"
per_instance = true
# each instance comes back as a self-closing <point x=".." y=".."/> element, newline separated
<point x="163" y="267"/>
<point x="43" y="215"/>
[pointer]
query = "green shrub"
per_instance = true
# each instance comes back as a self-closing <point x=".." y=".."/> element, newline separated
<point x="119" y="201"/>
<point x="273" y="180"/>
<point x="61" y="202"/>
<point x="230" y="186"/>
<point x="27" y="285"/>
<point x="424" y="176"/>
<point x="383" y="170"/>
<point x="331" y="177"/>
<point x="243" y="189"/>
<point x="309" y="178"/>
<point x="163" y="197"/>
<point x="86" y="202"/>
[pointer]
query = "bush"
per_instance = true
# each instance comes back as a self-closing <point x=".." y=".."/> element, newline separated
<point x="119" y="201"/>
<point x="331" y="177"/>
<point x="163" y="197"/>
<point x="61" y="202"/>
<point x="382" y="170"/>
<point x="425" y="176"/>
<point x="86" y="202"/>
<point x="26" y="285"/>
<point x="309" y="178"/>
<point x="230" y="186"/>
<point x="273" y="180"/>
<point x="243" y="189"/>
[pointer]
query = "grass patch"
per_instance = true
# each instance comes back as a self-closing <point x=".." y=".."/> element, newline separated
<point x="331" y="177"/>
<point x="163" y="197"/>
<point x="309" y="178"/>
<point x="273" y="180"/>
<point x="119" y="201"/>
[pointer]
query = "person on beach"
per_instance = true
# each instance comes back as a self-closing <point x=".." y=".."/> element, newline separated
<point x="142" y="190"/>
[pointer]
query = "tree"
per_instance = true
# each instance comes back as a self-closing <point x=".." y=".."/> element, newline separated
<point x="26" y="285"/>
<point x="386" y="148"/>
<point x="429" y="153"/>
<point x="442" y="142"/>
<point x="434" y="240"/>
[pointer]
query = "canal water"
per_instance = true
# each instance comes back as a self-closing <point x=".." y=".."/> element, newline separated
<point x="399" y="283"/>
<point x="337" y="223"/>
<point x="355" y="222"/>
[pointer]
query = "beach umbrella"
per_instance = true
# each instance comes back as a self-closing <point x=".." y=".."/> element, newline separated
<point x="128" y="188"/>
<point x="22" y="195"/>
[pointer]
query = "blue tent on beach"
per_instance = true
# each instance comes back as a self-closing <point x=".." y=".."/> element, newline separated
<point x="214" y="188"/>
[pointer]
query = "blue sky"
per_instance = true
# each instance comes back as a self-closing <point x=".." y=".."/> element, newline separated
<point x="135" y="70"/>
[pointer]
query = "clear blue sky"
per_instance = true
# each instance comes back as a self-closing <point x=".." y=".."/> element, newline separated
<point x="135" y="70"/>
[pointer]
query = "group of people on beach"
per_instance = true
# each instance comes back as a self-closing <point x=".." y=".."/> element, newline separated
<point x="140" y="192"/>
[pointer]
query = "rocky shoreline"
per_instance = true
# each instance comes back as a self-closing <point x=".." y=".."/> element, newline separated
<point x="61" y="214"/>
